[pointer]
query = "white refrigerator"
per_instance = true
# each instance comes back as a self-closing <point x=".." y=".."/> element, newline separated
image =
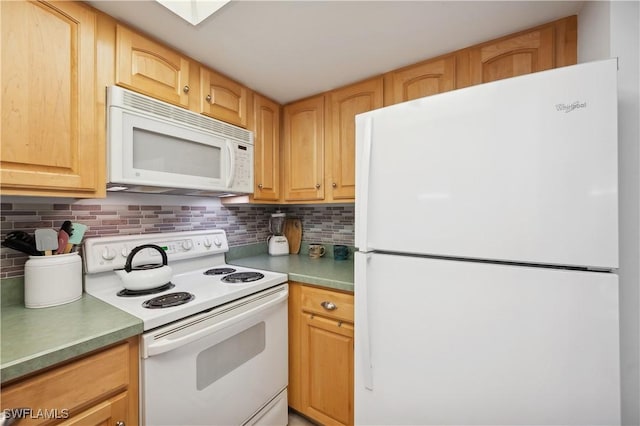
<point x="487" y="232"/>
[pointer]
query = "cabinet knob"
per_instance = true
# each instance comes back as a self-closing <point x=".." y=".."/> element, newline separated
<point x="186" y="89"/>
<point x="317" y="186"/>
<point x="120" y="423"/>
<point x="208" y="98"/>
<point x="260" y="185"/>
<point x="335" y="185"/>
<point x="329" y="306"/>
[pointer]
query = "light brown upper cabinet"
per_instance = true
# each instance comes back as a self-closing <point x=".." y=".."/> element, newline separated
<point x="266" y="129"/>
<point x="523" y="54"/>
<point x="344" y="105"/>
<point x="420" y="80"/>
<point x="303" y="155"/>
<point x="151" y="68"/>
<point x="223" y="98"/>
<point x="48" y="101"/>
<point x="546" y="47"/>
<point x="549" y="46"/>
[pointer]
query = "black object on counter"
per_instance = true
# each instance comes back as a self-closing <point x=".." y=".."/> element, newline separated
<point x="67" y="227"/>
<point x="21" y="241"/>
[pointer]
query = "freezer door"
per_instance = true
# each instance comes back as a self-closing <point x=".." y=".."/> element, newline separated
<point x="522" y="169"/>
<point x="443" y="342"/>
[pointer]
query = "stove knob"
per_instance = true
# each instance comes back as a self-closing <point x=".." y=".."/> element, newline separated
<point x="207" y="242"/>
<point x="125" y="252"/>
<point x="217" y="242"/>
<point x="108" y="254"/>
<point x="187" y="245"/>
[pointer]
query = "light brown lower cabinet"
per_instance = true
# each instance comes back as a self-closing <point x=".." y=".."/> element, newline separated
<point x="321" y="354"/>
<point x="99" y="389"/>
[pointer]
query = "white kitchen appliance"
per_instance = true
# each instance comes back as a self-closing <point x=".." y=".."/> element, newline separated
<point x="215" y="336"/>
<point x="155" y="147"/>
<point x="487" y="230"/>
<point x="278" y="245"/>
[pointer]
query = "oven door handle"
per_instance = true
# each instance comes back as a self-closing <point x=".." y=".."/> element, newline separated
<point x="166" y="344"/>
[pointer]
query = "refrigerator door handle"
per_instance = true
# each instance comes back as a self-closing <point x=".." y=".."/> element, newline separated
<point x="362" y="302"/>
<point x="364" y="128"/>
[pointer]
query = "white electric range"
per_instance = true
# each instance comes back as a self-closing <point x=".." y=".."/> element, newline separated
<point x="224" y="327"/>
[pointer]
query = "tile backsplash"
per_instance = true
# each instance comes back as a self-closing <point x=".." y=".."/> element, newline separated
<point x="244" y="225"/>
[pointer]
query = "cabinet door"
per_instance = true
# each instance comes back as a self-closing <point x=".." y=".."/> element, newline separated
<point x="223" y="98"/>
<point x="420" y="80"/>
<point x="110" y="412"/>
<point x="304" y="150"/>
<point x="99" y="386"/>
<point x="150" y="68"/>
<point x="266" y="141"/>
<point x="327" y="370"/>
<point x="344" y="104"/>
<point x="513" y="56"/>
<point x="48" y="100"/>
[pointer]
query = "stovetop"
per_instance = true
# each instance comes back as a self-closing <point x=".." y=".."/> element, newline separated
<point x="189" y="267"/>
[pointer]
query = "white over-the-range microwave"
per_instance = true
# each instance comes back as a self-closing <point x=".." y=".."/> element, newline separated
<point x="156" y="147"/>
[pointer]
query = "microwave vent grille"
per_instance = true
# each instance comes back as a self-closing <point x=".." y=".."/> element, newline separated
<point x="186" y="117"/>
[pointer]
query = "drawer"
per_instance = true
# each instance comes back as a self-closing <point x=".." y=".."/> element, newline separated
<point x="313" y="301"/>
<point x="69" y="389"/>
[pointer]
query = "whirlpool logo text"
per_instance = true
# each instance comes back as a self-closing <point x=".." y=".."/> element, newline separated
<point x="570" y="107"/>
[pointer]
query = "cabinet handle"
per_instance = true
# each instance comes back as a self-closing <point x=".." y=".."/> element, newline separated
<point x="208" y="98"/>
<point x="317" y="186"/>
<point x="335" y="185"/>
<point x="186" y="89"/>
<point x="329" y="306"/>
<point x="260" y="185"/>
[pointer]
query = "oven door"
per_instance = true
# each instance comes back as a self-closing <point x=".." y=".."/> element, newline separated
<point x="217" y="368"/>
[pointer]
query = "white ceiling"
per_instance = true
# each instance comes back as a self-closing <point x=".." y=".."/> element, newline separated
<point x="288" y="50"/>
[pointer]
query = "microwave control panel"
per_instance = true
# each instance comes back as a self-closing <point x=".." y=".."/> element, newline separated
<point x="243" y="176"/>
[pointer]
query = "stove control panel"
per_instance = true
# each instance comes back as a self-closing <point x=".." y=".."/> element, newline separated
<point x="109" y="253"/>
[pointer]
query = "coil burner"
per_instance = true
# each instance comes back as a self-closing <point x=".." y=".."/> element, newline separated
<point x="242" y="277"/>
<point x="169" y="300"/>
<point x="134" y="293"/>
<point x="219" y="271"/>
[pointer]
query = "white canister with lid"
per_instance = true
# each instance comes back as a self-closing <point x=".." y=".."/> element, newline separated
<point x="52" y="280"/>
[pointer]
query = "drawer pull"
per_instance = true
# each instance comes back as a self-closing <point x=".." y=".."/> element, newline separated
<point x="329" y="306"/>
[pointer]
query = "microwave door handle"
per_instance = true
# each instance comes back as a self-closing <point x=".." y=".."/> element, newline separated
<point x="232" y="164"/>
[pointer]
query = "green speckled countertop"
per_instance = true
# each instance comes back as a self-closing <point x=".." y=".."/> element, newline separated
<point x="33" y="339"/>
<point x="325" y="271"/>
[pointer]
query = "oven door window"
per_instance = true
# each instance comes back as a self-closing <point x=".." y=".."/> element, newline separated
<point x="217" y="361"/>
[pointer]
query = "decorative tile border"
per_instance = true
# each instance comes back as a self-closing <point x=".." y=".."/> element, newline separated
<point x="244" y="225"/>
